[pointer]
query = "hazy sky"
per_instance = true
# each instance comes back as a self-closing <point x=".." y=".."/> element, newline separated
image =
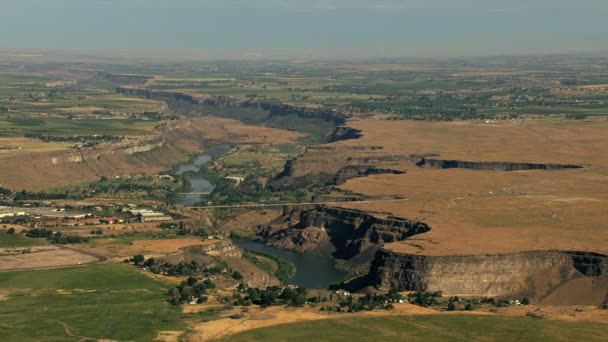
<point x="367" y="27"/>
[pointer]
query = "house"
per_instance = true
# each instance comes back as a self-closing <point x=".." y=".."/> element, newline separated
<point x="111" y="220"/>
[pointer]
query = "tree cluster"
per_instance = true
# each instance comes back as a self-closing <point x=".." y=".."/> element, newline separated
<point x="55" y="237"/>
<point x="190" y="290"/>
<point x="270" y="296"/>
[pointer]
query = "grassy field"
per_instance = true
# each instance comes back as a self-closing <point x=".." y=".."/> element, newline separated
<point x="16" y="240"/>
<point x="106" y="301"/>
<point x="61" y="126"/>
<point x="429" y="328"/>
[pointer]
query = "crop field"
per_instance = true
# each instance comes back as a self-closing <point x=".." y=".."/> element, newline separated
<point x="426" y="328"/>
<point x="41" y="257"/>
<point x="62" y="126"/>
<point x="433" y="91"/>
<point x="16" y="240"/>
<point x="96" y="302"/>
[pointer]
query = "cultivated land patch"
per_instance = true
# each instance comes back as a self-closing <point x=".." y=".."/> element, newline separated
<point x="125" y="248"/>
<point x="111" y="302"/>
<point x="425" y="328"/>
<point x="17" y="240"/>
<point x="44" y="257"/>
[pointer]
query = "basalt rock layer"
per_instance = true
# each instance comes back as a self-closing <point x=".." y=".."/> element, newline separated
<point x="490" y="166"/>
<point x="350" y="232"/>
<point x="526" y="273"/>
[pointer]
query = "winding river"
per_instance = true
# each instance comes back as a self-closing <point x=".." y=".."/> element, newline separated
<point x="198" y="184"/>
<point x="312" y="271"/>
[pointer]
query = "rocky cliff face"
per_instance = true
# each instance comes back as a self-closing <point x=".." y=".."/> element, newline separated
<point x="350" y="232"/>
<point x="484" y="275"/>
<point x="157" y="94"/>
<point x="223" y="248"/>
<point x="123" y="78"/>
<point x="279" y="109"/>
<point x="495" y="166"/>
<point x="345" y="133"/>
<point x="272" y="108"/>
<point x="355" y="171"/>
<point x="94" y="154"/>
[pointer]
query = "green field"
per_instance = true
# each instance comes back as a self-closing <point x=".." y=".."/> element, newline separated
<point x="16" y="240"/>
<point x="101" y="302"/>
<point x="58" y="126"/>
<point x="429" y="328"/>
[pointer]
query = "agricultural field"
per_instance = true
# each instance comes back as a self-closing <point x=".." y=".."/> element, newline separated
<point x="439" y="90"/>
<point x="95" y="302"/>
<point x="428" y="327"/>
<point x="16" y="240"/>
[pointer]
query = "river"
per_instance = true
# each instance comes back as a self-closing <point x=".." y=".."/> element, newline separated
<point x="312" y="271"/>
<point x="198" y="184"/>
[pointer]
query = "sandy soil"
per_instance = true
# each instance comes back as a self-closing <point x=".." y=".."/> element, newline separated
<point x="259" y="318"/>
<point x="115" y="248"/>
<point x="563" y="313"/>
<point x="168" y="336"/>
<point x="46" y="257"/>
<point x="192" y="134"/>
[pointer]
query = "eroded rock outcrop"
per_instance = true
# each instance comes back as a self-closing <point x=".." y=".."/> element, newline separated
<point x="350" y="232"/>
<point x="490" y="166"/>
<point x="533" y="273"/>
<point x="356" y="171"/>
<point x="168" y="96"/>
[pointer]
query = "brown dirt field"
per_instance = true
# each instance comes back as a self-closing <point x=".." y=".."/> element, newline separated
<point x="44" y="257"/>
<point x="41" y="170"/>
<point x="540" y="141"/>
<point x="256" y="317"/>
<point x="168" y="336"/>
<point x="582" y="291"/>
<point x="115" y="248"/>
<point x="29" y="146"/>
<point x="562" y="313"/>
<point x="259" y="318"/>
<point x="488" y="212"/>
<point x="117" y="229"/>
<point x="192" y="134"/>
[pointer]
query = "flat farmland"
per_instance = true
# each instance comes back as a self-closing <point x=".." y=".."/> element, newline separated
<point x="112" y="302"/>
<point x="38" y="257"/>
<point x="425" y="328"/>
<point x="487" y="211"/>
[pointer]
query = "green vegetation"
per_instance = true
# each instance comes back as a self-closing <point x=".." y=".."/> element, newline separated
<point x="190" y="290"/>
<point x="269" y="296"/>
<point x="99" y="302"/>
<point x="55" y="237"/>
<point x="162" y="189"/>
<point x="16" y="240"/>
<point x="67" y="127"/>
<point x="429" y="328"/>
<point x="280" y="268"/>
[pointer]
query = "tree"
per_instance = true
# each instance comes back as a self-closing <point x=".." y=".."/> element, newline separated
<point x="11" y="231"/>
<point x="237" y="275"/>
<point x="451" y="306"/>
<point x="525" y="301"/>
<point x="138" y="259"/>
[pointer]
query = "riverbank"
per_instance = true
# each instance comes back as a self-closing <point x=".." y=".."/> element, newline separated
<point x="311" y="271"/>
